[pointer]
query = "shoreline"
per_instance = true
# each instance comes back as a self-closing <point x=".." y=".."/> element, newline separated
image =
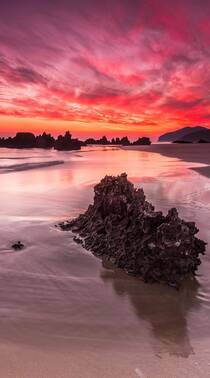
<point x="194" y="153"/>
<point x="61" y="309"/>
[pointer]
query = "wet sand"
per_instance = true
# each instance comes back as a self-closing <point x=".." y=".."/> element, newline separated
<point x="62" y="313"/>
<point x="197" y="153"/>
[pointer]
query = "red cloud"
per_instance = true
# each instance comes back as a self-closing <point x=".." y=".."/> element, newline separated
<point x="140" y="64"/>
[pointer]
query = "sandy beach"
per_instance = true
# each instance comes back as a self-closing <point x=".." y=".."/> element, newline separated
<point x="196" y="153"/>
<point x="63" y="314"/>
<point x="104" y="235"/>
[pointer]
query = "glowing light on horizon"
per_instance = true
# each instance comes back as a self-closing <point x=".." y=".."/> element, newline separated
<point x="140" y="68"/>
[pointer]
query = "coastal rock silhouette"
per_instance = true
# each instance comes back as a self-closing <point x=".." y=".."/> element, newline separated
<point x="21" y="140"/>
<point x="124" y="141"/>
<point x="66" y="143"/>
<point x="123" y="228"/>
<point x="142" y="141"/>
<point x="45" y="141"/>
<point x="63" y="142"/>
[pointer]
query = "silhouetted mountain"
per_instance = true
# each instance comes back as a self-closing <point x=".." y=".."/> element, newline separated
<point x="196" y="136"/>
<point x="180" y="134"/>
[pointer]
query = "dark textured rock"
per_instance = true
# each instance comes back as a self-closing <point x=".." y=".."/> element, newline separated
<point x="203" y="141"/>
<point x="124" y="141"/>
<point x="45" y="141"/>
<point x="18" y="246"/>
<point x="142" y="141"/>
<point x="123" y="228"/>
<point x="182" y="141"/>
<point x="66" y="143"/>
<point x="21" y="140"/>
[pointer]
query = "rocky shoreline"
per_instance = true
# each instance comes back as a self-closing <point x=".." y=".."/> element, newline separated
<point x="64" y="142"/>
<point x="123" y="228"/>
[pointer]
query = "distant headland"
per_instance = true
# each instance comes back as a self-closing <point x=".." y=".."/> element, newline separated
<point x="196" y="134"/>
<point x="63" y="142"/>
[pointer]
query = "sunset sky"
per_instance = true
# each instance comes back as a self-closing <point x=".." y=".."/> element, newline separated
<point x="97" y="67"/>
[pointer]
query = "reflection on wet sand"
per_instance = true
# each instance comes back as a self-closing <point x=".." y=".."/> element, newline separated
<point x="165" y="309"/>
<point x="56" y="296"/>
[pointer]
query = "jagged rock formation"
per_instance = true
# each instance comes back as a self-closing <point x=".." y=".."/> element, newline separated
<point x="63" y="142"/>
<point x="122" y="227"/>
<point x="124" y="141"/>
<point x="142" y="141"/>
<point x="66" y="143"/>
<point x="46" y="141"/>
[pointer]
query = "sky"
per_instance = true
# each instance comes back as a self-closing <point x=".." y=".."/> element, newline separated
<point x="113" y="67"/>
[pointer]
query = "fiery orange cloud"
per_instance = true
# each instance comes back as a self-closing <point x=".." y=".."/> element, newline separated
<point x="136" y="68"/>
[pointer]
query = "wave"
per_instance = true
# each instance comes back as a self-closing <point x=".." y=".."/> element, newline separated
<point x="27" y="166"/>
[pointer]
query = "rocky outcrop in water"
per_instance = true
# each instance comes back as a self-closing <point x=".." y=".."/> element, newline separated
<point x="67" y="143"/>
<point x="64" y="142"/>
<point x="142" y="142"/>
<point x="45" y="141"/>
<point x="123" y="228"/>
<point x="124" y="141"/>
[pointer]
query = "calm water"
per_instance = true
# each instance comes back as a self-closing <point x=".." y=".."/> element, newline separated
<point x="62" y="314"/>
